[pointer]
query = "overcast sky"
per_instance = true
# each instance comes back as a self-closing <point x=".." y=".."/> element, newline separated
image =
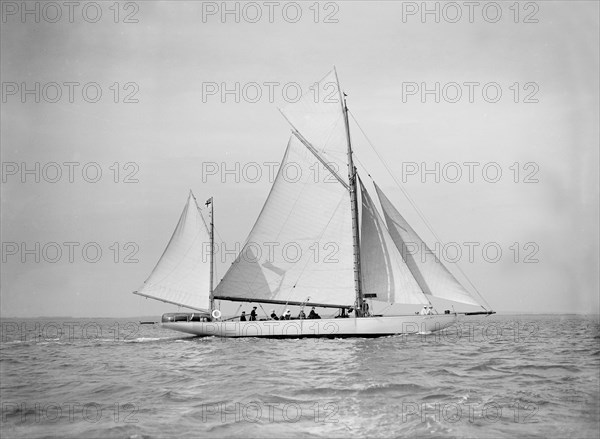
<point x="164" y="144"/>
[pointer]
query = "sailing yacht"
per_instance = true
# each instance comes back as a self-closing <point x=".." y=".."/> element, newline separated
<point x="319" y="240"/>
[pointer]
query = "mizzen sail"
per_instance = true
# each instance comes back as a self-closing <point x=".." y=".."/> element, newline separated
<point x="182" y="275"/>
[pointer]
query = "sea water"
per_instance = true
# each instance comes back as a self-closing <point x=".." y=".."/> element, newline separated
<point x="497" y="376"/>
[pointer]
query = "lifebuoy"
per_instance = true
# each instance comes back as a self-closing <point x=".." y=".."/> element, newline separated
<point x="216" y="314"/>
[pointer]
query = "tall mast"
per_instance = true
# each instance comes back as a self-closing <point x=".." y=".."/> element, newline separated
<point x="212" y="251"/>
<point x="354" y="207"/>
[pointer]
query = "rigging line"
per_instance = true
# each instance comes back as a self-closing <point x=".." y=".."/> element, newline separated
<point x="386" y="308"/>
<point x="332" y="316"/>
<point x="361" y="165"/>
<point x="284" y="308"/>
<point x="237" y="311"/>
<point x="261" y="307"/>
<point x="414" y="205"/>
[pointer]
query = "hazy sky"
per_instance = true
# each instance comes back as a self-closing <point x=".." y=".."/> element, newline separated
<point x="166" y="141"/>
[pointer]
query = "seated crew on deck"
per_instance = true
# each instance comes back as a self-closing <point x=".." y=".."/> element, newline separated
<point x="424" y="310"/>
<point x="430" y="310"/>
<point x="287" y="315"/>
<point x="253" y="314"/>
<point x="243" y="316"/>
<point x="313" y="315"/>
<point x="273" y="315"/>
<point x="301" y="315"/>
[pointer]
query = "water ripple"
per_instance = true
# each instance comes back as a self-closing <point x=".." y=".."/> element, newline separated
<point x="507" y="376"/>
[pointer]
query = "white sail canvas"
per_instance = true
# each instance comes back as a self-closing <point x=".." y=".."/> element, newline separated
<point x="384" y="272"/>
<point x="301" y="244"/>
<point x="431" y="275"/>
<point x="182" y="275"/>
<point x="318" y="116"/>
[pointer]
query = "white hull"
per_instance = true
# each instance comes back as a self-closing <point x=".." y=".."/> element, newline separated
<point x="331" y="328"/>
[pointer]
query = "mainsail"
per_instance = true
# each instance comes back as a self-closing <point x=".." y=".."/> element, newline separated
<point x="429" y="272"/>
<point x="301" y="243"/>
<point x="386" y="277"/>
<point x="182" y="275"/>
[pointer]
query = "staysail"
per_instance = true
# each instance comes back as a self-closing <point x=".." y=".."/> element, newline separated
<point x="429" y="272"/>
<point x="301" y="243"/>
<point x="386" y="277"/>
<point x="182" y="275"/>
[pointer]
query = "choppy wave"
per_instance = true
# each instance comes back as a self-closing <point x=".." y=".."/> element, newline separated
<point x="534" y="376"/>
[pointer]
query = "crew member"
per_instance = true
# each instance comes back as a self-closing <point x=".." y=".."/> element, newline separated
<point x="313" y="315"/>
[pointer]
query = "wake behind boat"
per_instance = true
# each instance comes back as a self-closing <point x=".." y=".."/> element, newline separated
<point x="311" y="246"/>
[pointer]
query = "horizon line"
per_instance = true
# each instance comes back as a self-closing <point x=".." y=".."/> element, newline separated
<point x="159" y="315"/>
